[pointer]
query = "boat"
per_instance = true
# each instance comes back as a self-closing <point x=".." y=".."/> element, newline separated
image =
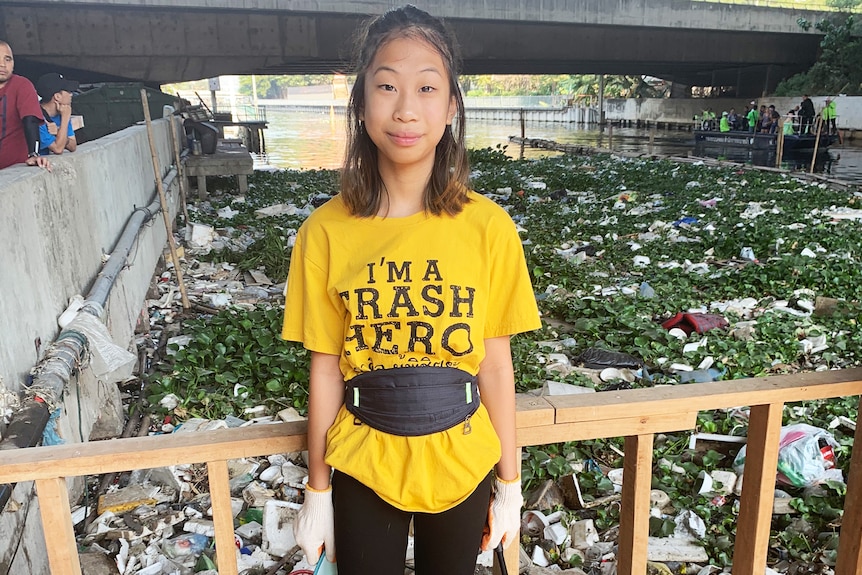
<point x="755" y="141"/>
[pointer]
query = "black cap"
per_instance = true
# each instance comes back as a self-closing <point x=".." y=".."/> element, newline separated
<point x="49" y="84"/>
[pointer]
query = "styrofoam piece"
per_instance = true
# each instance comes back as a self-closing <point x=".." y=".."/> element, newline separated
<point x="278" y="518"/>
<point x="556" y="532"/>
<point x="658" y="499"/>
<point x="293" y="473"/>
<point x="534" y="522"/>
<point x="200" y="526"/>
<point x="664" y="549"/>
<point x="714" y="437"/>
<point x="539" y="557"/>
<point x="677" y="333"/>
<point x="584" y="534"/>
<point x="723" y="481"/>
<point x="560" y="388"/>
<point x="250" y="530"/>
<point x="704" y="483"/>
<point x="271" y="474"/>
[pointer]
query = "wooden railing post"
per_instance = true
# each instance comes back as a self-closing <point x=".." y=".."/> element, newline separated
<point x="222" y="517"/>
<point x="57" y="526"/>
<point x="850" y="545"/>
<point x="512" y="553"/>
<point x="634" y="512"/>
<point x="758" y="490"/>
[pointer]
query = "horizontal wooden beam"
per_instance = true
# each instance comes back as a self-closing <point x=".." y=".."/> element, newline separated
<point x="618" y="427"/>
<point x="706" y="396"/>
<point x="113" y="455"/>
<point x="540" y="420"/>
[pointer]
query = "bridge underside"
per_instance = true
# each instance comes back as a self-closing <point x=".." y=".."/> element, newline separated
<point x="157" y="46"/>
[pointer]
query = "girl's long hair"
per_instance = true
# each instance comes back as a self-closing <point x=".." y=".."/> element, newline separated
<point x="362" y="188"/>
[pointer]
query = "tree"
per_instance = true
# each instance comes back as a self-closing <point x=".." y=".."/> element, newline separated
<point x="837" y="69"/>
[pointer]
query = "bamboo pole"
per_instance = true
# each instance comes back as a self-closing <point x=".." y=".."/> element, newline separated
<point x="779" y="147"/>
<point x="523" y="131"/>
<point x="816" y="143"/>
<point x="163" y="201"/>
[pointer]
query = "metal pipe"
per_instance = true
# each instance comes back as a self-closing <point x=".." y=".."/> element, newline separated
<point x="52" y="374"/>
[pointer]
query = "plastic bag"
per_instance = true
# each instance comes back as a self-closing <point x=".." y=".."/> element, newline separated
<point x="806" y="456"/>
<point x="597" y="358"/>
<point x="185" y="545"/>
<point x="109" y="362"/>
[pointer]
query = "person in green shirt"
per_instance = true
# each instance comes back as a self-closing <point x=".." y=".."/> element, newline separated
<point x="724" y="124"/>
<point x="753" y="117"/>
<point x="829" y="116"/>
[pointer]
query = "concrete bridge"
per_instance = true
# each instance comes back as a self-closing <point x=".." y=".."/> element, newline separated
<point x="160" y="41"/>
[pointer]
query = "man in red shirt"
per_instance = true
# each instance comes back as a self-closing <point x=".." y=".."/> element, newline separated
<point x="20" y="116"/>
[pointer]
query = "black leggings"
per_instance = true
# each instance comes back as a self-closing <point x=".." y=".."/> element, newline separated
<point x="371" y="535"/>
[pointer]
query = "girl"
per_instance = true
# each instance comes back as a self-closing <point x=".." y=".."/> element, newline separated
<point x="406" y="287"/>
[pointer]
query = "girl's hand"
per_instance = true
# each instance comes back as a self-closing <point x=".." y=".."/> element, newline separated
<point x="314" y="528"/>
<point x="504" y="514"/>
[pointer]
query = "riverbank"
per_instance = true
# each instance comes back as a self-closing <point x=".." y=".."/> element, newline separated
<point x="664" y="113"/>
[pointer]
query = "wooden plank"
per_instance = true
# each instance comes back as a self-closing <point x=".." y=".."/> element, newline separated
<point x="707" y="396"/>
<point x="222" y="517"/>
<point x="638" y="425"/>
<point x="531" y="411"/>
<point x="850" y="543"/>
<point x="607" y="414"/>
<point x="758" y="487"/>
<point x="98" y="457"/>
<point x="218" y="167"/>
<point x="57" y="526"/>
<point x="634" y="510"/>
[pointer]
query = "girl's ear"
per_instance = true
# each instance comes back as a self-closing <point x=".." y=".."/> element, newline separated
<point x="453" y="107"/>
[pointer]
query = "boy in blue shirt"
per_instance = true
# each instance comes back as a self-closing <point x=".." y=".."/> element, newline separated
<point x="56" y="134"/>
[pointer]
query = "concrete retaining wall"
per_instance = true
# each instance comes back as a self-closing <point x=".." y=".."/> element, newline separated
<point x="55" y="228"/>
<point x="662" y="110"/>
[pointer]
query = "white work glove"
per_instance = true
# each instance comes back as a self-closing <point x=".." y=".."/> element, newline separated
<point x="504" y="514"/>
<point x="314" y="528"/>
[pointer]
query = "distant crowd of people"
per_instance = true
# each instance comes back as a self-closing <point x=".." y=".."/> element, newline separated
<point x="767" y="120"/>
<point x="35" y="121"/>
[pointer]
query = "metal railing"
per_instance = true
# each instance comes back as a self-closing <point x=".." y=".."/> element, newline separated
<point x="635" y="414"/>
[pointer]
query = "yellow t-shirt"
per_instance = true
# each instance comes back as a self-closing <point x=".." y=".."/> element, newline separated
<point x="396" y="292"/>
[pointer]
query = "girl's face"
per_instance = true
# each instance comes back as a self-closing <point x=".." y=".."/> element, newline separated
<point x="407" y="103"/>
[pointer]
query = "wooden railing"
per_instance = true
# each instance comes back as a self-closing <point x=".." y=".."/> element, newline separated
<point x="634" y="414"/>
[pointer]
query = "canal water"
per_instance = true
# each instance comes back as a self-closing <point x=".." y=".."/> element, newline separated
<point x="307" y="140"/>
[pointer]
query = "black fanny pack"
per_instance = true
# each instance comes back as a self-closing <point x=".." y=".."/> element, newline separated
<point x="410" y="401"/>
